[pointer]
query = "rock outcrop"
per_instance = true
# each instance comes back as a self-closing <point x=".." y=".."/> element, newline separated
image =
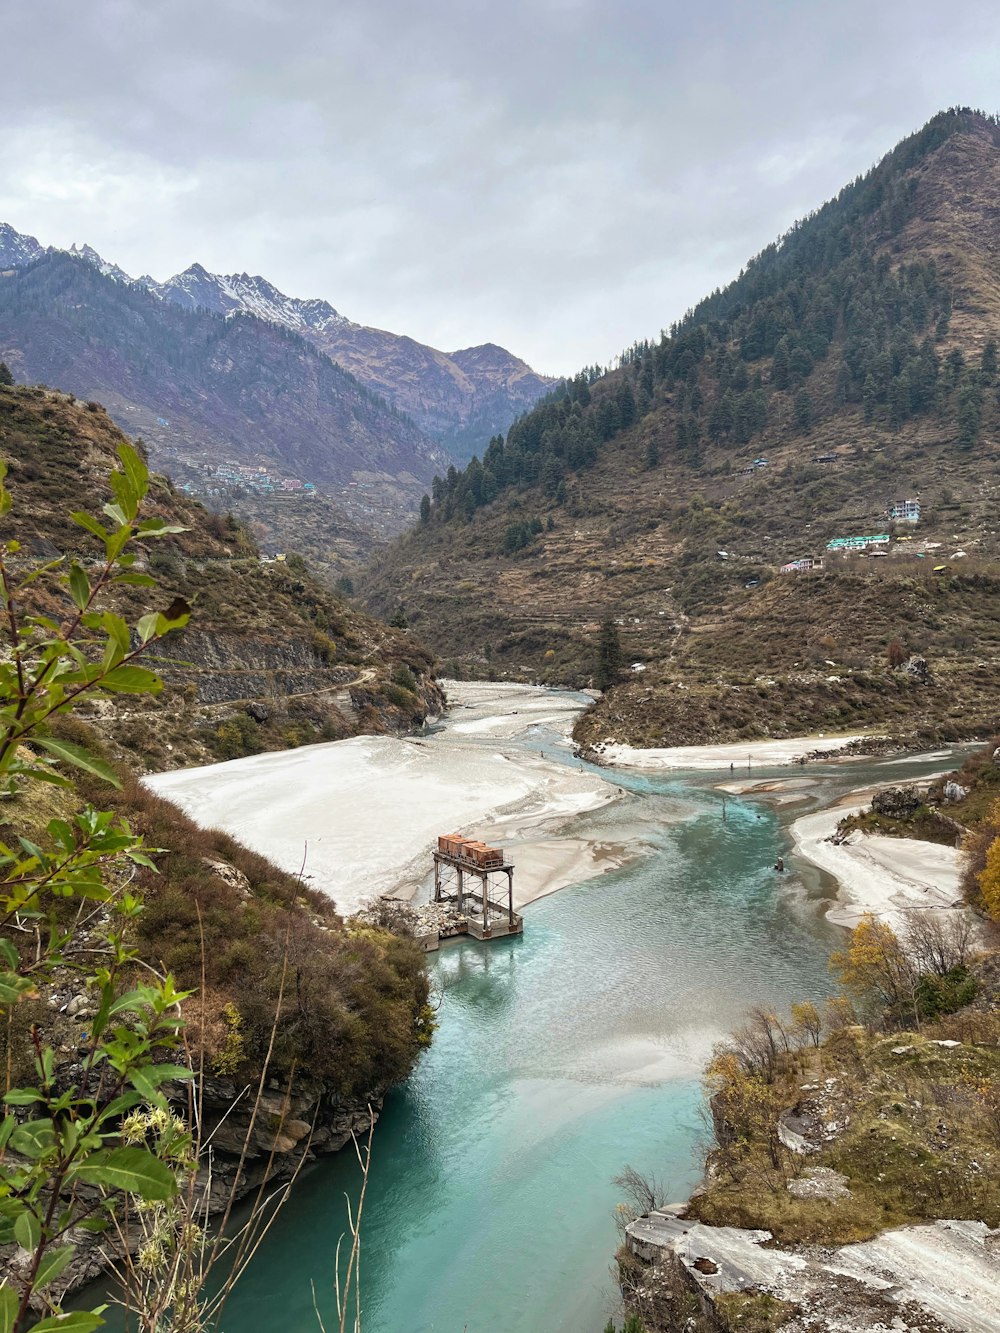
<point x="939" y="1278"/>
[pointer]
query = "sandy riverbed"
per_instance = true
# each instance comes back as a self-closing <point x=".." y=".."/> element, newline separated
<point x="888" y="877"/>
<point x="741" y="755"/>
<point x="363" y="814"/>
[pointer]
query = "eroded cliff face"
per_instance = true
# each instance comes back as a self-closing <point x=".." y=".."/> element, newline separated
<point x="247" y="1151"/>
<point x="289" y="1128"/>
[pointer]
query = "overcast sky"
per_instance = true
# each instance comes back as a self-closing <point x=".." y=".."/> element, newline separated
<point x="559" y="176"/>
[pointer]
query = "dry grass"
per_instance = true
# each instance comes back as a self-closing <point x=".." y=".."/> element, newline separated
<point x="911" y="1132"/>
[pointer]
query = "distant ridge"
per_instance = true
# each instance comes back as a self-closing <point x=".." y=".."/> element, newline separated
<point x="460" y="399"/>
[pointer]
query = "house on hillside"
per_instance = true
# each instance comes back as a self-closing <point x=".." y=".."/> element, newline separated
<point x="847" y="544"/>
<point x="904" y="511"/>
<point x="799" y="566"/>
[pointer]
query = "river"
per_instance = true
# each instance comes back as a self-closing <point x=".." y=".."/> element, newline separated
<point x="561" y="1057"/>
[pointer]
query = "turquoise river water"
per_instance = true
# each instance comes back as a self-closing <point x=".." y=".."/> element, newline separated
<point x="561" y="1057"/>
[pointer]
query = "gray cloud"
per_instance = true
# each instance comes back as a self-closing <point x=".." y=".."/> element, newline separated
<point x="560" y="176"/>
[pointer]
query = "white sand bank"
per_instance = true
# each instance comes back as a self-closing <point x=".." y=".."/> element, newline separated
<point x="776" y="791"/>
<point x="764" y="754"/>
<point x="889" y="877"/>
<point x="478" y="708"/>
<point x="364" y="813"/>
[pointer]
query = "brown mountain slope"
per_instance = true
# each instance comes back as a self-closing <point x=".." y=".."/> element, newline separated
<point x="270" y="658"/>
<point x="858" y="341"/>
<point x="460" y="398"/>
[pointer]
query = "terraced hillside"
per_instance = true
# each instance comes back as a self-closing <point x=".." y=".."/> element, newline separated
<point x="851" y="366"/>
<point x="270" y="659"/>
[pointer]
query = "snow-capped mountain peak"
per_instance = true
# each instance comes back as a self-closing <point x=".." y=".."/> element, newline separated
<point x="460" y="399"/>
<point x="16" y="249"/>
<point x="90" y="255"/>
<point x="229" y="293"/>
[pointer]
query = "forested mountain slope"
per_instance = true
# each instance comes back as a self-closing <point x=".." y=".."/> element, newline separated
<point x="201" y="387"/>
<point x="851" y="365"/>
<point x="270" y="659"/>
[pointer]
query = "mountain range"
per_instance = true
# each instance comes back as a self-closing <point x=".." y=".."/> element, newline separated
<point x="688" y="499"/>
<point x="200" y="388"/>
<point x="459" y="399"/>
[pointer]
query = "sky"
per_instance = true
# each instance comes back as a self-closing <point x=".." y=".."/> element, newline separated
<point x="561" y="177"/>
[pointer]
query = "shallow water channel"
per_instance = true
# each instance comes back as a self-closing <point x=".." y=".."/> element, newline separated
<point x="560" y="1057"/>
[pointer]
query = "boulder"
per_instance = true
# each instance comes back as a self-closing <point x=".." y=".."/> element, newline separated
<point x="918" y="670"/>
<point x="896" y="802"/>
<point x="230" y="875"/>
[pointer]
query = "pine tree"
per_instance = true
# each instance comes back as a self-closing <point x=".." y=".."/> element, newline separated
<point x="626" y="404"/>
<point x="6" y="378"/>
<point x="609" y="655"/>
<point x="987" y="365"/>
<point x="652" y="453"/>
<point x="425" y="509"/>
<point x="779" y="364"/>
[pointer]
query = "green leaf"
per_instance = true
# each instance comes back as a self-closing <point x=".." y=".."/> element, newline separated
<point x="146" y="626"/>
<point x="12" y="987"/>
<point x="91" y="524"/>
<point x="132" y="1169"/>
<point x="147" y="1080"/>
<point x="23" y="1097"/>
<point x="119" y="1106"/>
<point x="52" y="1264"/>
<point x="9" y="953"/>
<point x="75" y="1321"/>
<point x="141" y="859"/>
<point x="134" y="1001"/>
<point x="79" y="586"/>
<point x="158" y="527"/>
<point x="34" y="851"/>
<point x="28" y="1231"/>
<point x="135" y="470"/>
<point x="117" y="631"/>
<point x="34" y="1139"/>
<point x="10" y="1303"/>
<point x="132" y="680"/>
<point x="79" y="757"/>
<point x="136" y="580"/>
